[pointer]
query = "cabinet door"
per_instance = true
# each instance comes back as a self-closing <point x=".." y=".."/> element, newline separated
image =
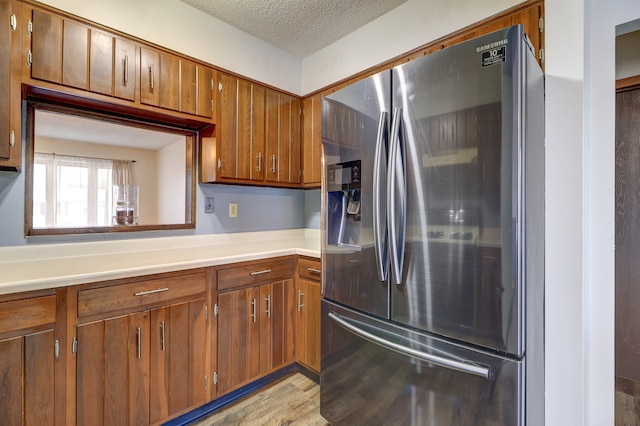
<point x="257" y="132"/>
<point x="272" y="135"/>
<point x="101" y="63"/>
<point x="177" y="378"/>
<point x="233" y="320"/>
<point x="242" y="151"/>
<point x="226" y="124"/>
<point x="6" y="35"/>
<point x="308" y="324"/>
<point x="27" y="379"/>
<point x="205" y="91"/>
<point x="75" y="54"/>
<point x="149" y="76"/>
<point x="124" y="69"/>
<point x="170" y="82"/>
<point x="295" y="134"/>
<point x="312" y="140"/>
<point x="188" y="85"/>
<point x="46" y="47"/>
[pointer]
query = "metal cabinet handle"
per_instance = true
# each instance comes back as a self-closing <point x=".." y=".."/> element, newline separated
<point x="162" y="330"/>
<point x="151" y="76"/>
<point x="259" y="166"/>
<point x="300" y="305"/>
<point x="126" y="68"/>
<point x="139" y="342"/>
<point x="273" y="163"/>
<point x="314" y="270"/>
<point x="269" y="306"/>
<point x="254" y="310"/>
<point x="264" y="271"/>
<point x="158" y="290"/>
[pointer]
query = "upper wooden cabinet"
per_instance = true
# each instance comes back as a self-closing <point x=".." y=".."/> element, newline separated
<point x="257" y="136"/>
<point x="10" y="103"/>
<point x="312" y="141"/>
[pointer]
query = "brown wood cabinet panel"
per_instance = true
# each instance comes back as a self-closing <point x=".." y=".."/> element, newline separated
<point x="89" y="375"/>
<point x="140" y="293"/>
<point x="233" y="321"/>
<point x="266" y="315"/>
<point x="169" y="84"/>
<point x="159" y="381"/>
<point x="226" y="131"/>
<point x="278" y="328"/>
<point x="308" y="324"/>
<point x="289" y="322"/>
<point x="11" y="375"/>
<point x="251" y="273"/>
<point x="6" y="35"/>
<point x="309" y="269"/>
<point x="312" y="140"/>
<point x="25" y="313"/>
<point x="272" y="135"/>
<point x="188" y="86"/>
<point x="178" y="357"/>
<point x="116" y="362"/>
<point x="149" y="76"/>
<point x="75" y="55"/>
<point x="242" y="151"/>
<point x="252" y="347"/>
<point x="205" y="91"/>
<point x="197" y="352"/>
<point x="295" y="144"/>
<point x="46" y="47"/>
<point x="139" y="356"/>
<point x="124" y="69"/>
<point x="284" y="141"/>
<point x="101" y="65"/>
<point x="258" y="95"/>
<point x="39" y="380"/>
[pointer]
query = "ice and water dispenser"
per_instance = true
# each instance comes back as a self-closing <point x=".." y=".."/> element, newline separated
<point x="344" y="217"/>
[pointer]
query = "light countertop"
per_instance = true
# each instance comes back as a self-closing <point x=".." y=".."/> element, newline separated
<point x="43" y="266"/>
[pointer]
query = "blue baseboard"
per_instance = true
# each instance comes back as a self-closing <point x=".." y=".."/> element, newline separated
<point x="227" y="399"/>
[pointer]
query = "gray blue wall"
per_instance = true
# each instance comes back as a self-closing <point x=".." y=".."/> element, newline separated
<point x="259" y="209"/>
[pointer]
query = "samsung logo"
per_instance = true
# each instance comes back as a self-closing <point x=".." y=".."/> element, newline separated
<point x="492" y="45"/>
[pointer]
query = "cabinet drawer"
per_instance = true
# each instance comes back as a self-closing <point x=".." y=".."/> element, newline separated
<point x="140" y="293"/>
<point x="245" y="274"/>
<point x="309" y="269"/>
<point x="26" y="313"/>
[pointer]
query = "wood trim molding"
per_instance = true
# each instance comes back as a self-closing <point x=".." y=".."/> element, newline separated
<point x="628" y="83"/>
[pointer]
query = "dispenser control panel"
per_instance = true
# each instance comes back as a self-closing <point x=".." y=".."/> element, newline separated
<point x="343" y="176"/>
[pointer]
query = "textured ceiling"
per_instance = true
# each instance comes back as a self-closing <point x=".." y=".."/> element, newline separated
<point x="300" y="27"/>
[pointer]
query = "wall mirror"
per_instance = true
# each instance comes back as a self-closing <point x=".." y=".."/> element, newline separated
<point x="95" y="173"/>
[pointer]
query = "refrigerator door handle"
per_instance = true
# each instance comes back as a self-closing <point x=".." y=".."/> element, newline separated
<point x="379" y="197"/>
<point x="463" y="366"/>
<point x="396" y="197"/>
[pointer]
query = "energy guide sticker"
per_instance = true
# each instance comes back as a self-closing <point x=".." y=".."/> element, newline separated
<point x="493" y="56"/>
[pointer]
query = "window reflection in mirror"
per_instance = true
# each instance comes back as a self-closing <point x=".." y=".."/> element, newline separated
<point x="82" y="165"/>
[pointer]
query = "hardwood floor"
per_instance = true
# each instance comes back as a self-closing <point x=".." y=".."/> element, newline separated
<point x="627" y="402"/>
<point x="294" y="400"/>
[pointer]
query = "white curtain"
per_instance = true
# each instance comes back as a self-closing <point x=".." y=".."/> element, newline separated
<point x="71" y="191"/>
<point x="122" y="172"/>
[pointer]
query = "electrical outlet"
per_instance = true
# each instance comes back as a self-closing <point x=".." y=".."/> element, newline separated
<point x="233" y="209"/>
<point x="208" y="205"/>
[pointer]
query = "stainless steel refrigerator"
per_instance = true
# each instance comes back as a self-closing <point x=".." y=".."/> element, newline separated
<point x="433" y="241"/>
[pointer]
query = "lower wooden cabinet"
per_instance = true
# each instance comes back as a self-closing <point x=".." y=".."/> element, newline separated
<point x="308" y="314"/>
<point x="30" y="389"/>
<point x="255" y="328"/>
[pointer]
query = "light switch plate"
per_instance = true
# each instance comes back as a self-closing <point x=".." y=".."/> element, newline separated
<point x="233" y="209"/>
<point x="208" y="205"/>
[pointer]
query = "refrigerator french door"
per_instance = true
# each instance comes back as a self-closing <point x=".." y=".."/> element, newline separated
<point x="433" y="239"/>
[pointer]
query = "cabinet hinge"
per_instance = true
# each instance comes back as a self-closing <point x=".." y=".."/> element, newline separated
<point x="215" y="310"/>
<point x="13" y="22"/>
<point x="220" y="87"/>
<point x="206" y="312"/>
<point x="215" y="378"/>
<point x="12" y="138"/>
<point x="29" y="58"/>
<point x="74" y="345"/>
<point x="56" y="349"/>
<point x="29" y="27"/>
<point x="541" y="24"/>
<point x="206" y="382"/>
<point x="219" y="163"/>
<point x="213" y="84"/>
<point x="212" y="105"/>
<point x="541" y="55"/>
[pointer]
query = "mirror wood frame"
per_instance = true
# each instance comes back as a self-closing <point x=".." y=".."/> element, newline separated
<point x="191" y="137"/>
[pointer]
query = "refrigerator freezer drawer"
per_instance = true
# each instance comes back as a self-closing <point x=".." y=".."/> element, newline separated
<point x="378" y="373"/>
